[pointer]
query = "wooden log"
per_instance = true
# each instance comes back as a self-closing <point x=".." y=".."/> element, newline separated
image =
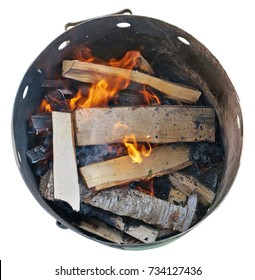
<point x="157" y="124"/>
<point x="46" y="185"/>
<point x="66" y="185"/>
<point x="102" y="230"/>
<point x="176" y="196"/>
<point x="191" y="209"/>
<point x="138" y="205"/>
<point x="189" y="185"/>
<point x="137" y="229"/>
<point x="162" y="160"/>
<point x="93" y="73"/>
<point x="135" y="204"/>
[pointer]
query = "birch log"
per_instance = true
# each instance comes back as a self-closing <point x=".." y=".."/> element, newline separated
<point x="144" y="207"/>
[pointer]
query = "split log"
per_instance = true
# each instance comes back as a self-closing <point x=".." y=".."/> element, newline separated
<point x="93" y="73"/>
<point x="191" y="209"/>
<point x="143" y="207"/>
<point x="162" y="160"/>
<point x="66" y="185"/>
<point x="46" y="185"/>
<point x="157" y="124"/>
<point x="102" y="230"/>
<point x="176" y="196"/>
<point x="132" y="227"/>
<point x="189" y="184"/>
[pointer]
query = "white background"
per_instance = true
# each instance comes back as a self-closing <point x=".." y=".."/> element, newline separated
<point x="31" y="246"/>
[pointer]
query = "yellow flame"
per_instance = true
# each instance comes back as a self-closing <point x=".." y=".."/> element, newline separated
<point x="132" y="148"/>
<point x="135" y="152"/>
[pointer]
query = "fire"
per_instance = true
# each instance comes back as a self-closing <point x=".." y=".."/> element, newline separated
<point x="133" y="149"/>
<point x="149" y="96"/>
<point x="101" y="93"/>
<point x="45" y="107"/>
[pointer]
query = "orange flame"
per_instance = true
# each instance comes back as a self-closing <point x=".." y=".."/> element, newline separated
<point x="105" y="90"/>
<point x="45" y="107"/>
<point x="149" y="96"/>
<point x="134" y="151"/>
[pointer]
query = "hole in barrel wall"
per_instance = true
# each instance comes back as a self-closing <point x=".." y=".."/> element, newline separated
<point x="25" y="91"/>
<point x="183" y="40"/>
<point x="123" y="24"/>
<point x="19" y="158"/>
<point x="63" y="45"/>
<point x="238" y="122"/>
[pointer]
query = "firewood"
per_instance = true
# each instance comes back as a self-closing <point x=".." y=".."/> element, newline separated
<point x="137" y="229"/>
<point x="46" y="185"/>
<point x="138" y="205"/>
<point x="176" y="196"/>
<point x="102" y="230"/>
<point x="189" y="184"/>
<point x="66" y="185"/>
<point x="162" y="160"/>
<point x="93" y="73"/>
<point x="157" y="124"/>
<point x="191" y="209"/>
